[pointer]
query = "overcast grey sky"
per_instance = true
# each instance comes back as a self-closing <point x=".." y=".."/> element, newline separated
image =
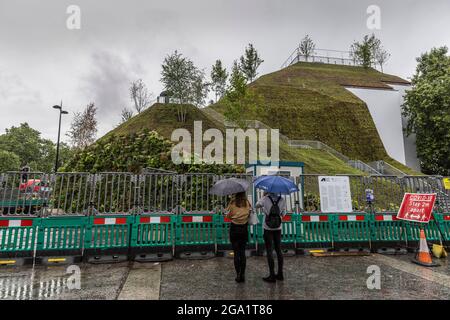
<point x="42" y="61"/>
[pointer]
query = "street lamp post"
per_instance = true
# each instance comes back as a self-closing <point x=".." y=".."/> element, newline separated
<point x="61" y="112"/>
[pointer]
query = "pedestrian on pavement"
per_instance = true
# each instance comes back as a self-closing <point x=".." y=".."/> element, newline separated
<point x="239" y="210"/>
<point x="274" y="208"/>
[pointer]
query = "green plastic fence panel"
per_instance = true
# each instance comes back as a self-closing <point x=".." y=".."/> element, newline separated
<point x="62" y="233"/>
<point x="108" y="231"/>
<point x="288" y="229"/>
<point x="222" y="228"/>
<point x="351" y="228"/>
<point x="195" y="229"/>
<point x="443" y="221"/>
<point x="386" y="227"/>
<point x="155" y="230"/>
<point x="18" y="234"/>
<point x="431" y="230"/>
<point x="314" y="228"/>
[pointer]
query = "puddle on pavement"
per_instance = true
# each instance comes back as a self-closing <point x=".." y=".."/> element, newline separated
<point x="33" y="284"/>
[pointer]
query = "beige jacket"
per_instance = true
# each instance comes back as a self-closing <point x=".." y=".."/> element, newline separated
<point x="238" y="215"/>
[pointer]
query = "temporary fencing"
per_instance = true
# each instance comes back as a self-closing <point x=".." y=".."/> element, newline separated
<point x="108" y="217"/>
<point x="61" y="236"/>
<point x="195" y="235"/>
<point x="152" y="237"/>
<point x="107" y="238"/>
<point x="352" y="231"/>
<point x="17" y="239"/>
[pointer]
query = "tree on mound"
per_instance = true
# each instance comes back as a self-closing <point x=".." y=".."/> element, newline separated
<point x="185" y="82"/>
<point x="240" y="101"/>
<point x="134" y="152"/>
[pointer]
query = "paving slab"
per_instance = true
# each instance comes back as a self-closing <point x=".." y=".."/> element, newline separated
<point x="306" y="277"/>
<point x="97" y="282"/>
<point x="142" y="283"/>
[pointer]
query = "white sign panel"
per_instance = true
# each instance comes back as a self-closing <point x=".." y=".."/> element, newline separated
<point x="335" y="195"/>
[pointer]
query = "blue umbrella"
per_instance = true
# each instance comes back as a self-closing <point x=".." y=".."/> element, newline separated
<point x="275" y="184"/>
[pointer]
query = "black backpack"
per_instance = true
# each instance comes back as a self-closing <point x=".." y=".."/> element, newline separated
<point x="273" y="219"/>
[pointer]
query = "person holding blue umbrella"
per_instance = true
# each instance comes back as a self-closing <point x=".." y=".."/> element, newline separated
<point x="274" y="207"/>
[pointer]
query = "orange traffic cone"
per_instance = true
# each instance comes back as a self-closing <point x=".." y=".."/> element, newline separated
<point x="423" y="257"/>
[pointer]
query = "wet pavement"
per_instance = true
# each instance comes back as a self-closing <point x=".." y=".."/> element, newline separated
<point x="306" y="277"/>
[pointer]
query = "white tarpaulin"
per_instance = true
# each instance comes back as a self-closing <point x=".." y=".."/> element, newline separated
<point x="335" y="195"/>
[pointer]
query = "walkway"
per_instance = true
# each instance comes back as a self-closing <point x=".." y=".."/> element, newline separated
<point x="306" y="278"/>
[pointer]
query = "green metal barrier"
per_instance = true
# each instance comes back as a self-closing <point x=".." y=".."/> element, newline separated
<point x="107" y="238"/>
<point x="352" y="230"/>
<point x="152" y="237"/>
<point x="314" y="231"/>
<point x="18" y="237"/>
<point x="61" y="236"/>
<point x="195" y="235"/>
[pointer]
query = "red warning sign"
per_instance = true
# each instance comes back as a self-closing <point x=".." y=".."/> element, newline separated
<point x="417" y="207"/>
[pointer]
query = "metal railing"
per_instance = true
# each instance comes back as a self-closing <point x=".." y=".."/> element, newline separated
<point x="386" y="169"/>
<point x="310" y="144"/>
<point x="69" y="194"/>
<point x="361" y="166"/>
<point x="327" y="56"/>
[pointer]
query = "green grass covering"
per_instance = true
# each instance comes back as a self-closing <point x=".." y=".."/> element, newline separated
<point x="316" y="161"/>
<point x="400" y="166"/>
<point x="163" y="119"/>
<point x="308" y="101"/>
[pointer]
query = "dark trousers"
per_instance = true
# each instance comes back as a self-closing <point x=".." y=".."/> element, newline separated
<point x="272" y="240"/>
<point x="238" y="239"/>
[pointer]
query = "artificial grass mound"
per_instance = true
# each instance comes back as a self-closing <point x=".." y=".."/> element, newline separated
<point x="163" y="119"/>
<point x="308" y="101"/>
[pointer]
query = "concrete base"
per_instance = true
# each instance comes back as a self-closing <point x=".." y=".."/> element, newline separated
<point x="153" y="257"/>
<point x="62" y="260"/>
<point x="392" y="251"/>
<point x="14" y="262"/>
<point x="106" y="259"/>
<point x="203" y="255"/>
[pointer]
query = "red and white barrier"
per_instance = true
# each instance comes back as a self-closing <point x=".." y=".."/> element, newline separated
<point x="164" y="219"/>
<point x="16" y="223"/>
<point x="109" y="221"/>
<point x="385" y="217"/>
<point x="314" y="218"/>
<point x="190" y="219"/>
<point x="351" y="217"/>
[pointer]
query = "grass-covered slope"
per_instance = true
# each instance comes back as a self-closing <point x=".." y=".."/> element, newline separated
<point x="308" y="101"/>
<point x="163" y="119"/>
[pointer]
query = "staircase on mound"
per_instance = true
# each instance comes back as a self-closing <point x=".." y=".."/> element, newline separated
<point x="374" y="168"/>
